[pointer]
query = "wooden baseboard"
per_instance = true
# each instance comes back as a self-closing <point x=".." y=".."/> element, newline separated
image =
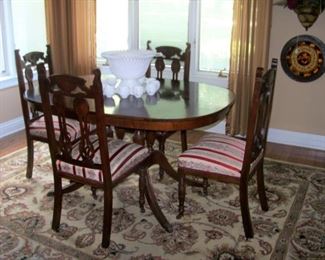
<point x="11" y="126"/>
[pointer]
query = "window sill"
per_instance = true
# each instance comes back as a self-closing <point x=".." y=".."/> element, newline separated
<point x="12" y="81"/>
<point x="8" y="82"/>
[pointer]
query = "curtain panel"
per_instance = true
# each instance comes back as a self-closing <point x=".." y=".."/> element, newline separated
<point x="71" y="32"/>
<point x="249" y="50"/>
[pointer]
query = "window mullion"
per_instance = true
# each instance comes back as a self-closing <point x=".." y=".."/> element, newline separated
<point x="133" y="31"/>
<point x="193" y="35"/>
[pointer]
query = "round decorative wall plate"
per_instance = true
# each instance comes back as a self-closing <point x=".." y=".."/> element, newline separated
<point x="302" y="58"/>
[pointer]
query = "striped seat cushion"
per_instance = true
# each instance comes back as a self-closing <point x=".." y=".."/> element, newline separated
<point x="123" y="156"/>
<point x="38" y="128"/>
<point x="215" y="153"/>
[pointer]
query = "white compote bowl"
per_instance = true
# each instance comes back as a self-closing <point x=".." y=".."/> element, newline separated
<point x="130" y="66"/>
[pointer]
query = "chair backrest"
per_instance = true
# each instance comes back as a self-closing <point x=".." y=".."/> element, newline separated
<point x="25" y="68"/>
<point x="68" y="96"/>
<point x="259" y="118"/>
<point x="176" y="57"/>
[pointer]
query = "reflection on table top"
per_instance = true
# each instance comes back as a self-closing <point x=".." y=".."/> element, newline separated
<point x="177" y="106"/>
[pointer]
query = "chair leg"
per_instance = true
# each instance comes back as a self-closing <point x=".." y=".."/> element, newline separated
<point x="109" y="131"/>
<point x="261" y="187"/>
<point x="183" y="140"/>
<point x="247" y="223"/>
<point x="120" y="133"/>
<point x="181" y="194"/>
<point x="161" y="141"/>
<point x="94" y="192"/>
<point x="107" y="218"/>
<point x="30" y="158"/>
<point x="57" y="208"/>
<point x="205" y="186"/>
<point x="142" y="185"/>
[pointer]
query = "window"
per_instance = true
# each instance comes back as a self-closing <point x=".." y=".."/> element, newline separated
<point x="29" y="34"/>
<point x="111" y="25"/>
<point x="206" y="24"/>
<point x="22" y="27"/>
<point x="215" y="35"/>
<point x="157" y="23"/>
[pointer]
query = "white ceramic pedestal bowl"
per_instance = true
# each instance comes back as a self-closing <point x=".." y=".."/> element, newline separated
<point x="129" y="66"/>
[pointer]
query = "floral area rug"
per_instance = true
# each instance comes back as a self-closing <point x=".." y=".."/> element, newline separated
<point x="293" y="228"/>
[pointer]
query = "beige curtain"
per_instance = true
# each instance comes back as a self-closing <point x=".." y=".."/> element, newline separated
<point x="249" y="50"/>
<point x="71" y="32"/>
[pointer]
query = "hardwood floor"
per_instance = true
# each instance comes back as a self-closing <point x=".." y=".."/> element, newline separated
<point x="10" y="143"/>
<point x="275" y="151"/>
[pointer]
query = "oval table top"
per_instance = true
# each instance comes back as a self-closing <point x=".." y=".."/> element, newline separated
<point x="178" y="105"/>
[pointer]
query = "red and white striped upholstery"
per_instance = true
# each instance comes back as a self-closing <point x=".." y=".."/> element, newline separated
<point x="215" y="153"/>
<point x="38" y="128"/>
<point x="123" y="156"/>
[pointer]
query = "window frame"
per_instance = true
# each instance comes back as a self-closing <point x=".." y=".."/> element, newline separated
<point x="8" y="79"/>
<point x="7" y="42"/>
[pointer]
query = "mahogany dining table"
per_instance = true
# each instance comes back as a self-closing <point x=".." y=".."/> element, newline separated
<point x="178" y="106"/>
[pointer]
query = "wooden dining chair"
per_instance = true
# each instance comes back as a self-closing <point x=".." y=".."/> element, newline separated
<point x="176" y="59"/>
<point x="234" y="160"/>
<point x="95" y="160"/>
<point x="33" y="120"/>
<point x="35" y="129"/>
<point x="171" y="57"/>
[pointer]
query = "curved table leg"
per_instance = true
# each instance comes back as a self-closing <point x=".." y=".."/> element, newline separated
<point x="152" y="200"/>
<point x="159" y="158"/>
